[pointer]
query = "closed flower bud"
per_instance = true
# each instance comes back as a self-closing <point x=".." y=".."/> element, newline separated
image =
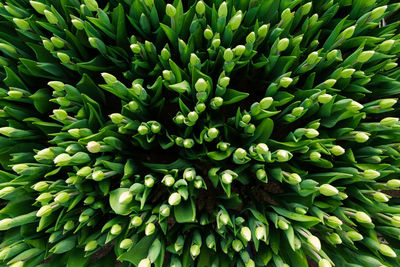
<point x="235" y="21"/>
<point x="22" y="24"/>
<point x="89" y="200"/>
<point x="78" y="24"/>
<point x="314" y="242"/>
<point x="145" y="263"/>
<point x="332" y="54"/>
<point x="143" y="129"/>
<point x="210" y="241"/>
<point x="91" y="5"/>
<point x="194" y="250"/>
<point x="387" y="251"/>
<point x="297" y="111"/>
<point x="126" y="243"/>
<point x="315" y="156"/>
<point x="324" y="98"/>
<point x="62" y="159"/>
<point x="334" y="222"/>
<point x="125" y="198"/>
<point x="84" y="171"/>
<point x="395" y="221"/>
<point x="283" y="225"/>
<point x="5" y="224"/>
<point x="390" y="65"/>
<point x="116" y="229"/>
<point x="237" y="245"/>
<point x="283" y="155"/>
<point x="91" y="245"/>
<point x="135" y="48"/>
<point x="56" y="85"/>
<point x="63" y="57"/>
<point x="200" y="8"/>
<point x="312" y="58"/>
<point x="361" y="137"/>
<point x="306" y="8"/>
<point x="108" y="78"/>
<point x="201" y="85"/>
<point x="51" y="18"/>
<point x="386" y="45"/>
<point x="149" y="181"/>
<point x="365" y="56"/>
<point x="245" y="232"/>
<point x="69" y="225"/>
<point x="193" y="116"/>
<point x="44" y="198"/>
<point x="294" y="178"/>
<point x="168" y="180"/>
<point x="263" y="30"/>
<point x="40" y="186"/>
<point x="44" y="211"/>
<point x="381" y="197"/>
<point x="324" y="263"/>
<point x="116" y="118"/>
<point x="266" y="102"/>
<point x="208" y="34"/>
<point x="188" y="143"/>
<point x="311" y="133"/>
<point x="239" y="50"/>
<point x="335" y="239"/>
<point x="165" y="210"/>
<point x="393" y="183"/>
<point x="354" y="106"/>
<point x="346" y="73"/>
<point x="136" y="221"/>
<point x="240" y="153"/>
<point x="57" y="42"/>
<point x="283" y="44"/>
<point x="227" y="178"/>
<point x="261" y="148"/>
<point x="213" y="133"/>
<point x="93" y="147"/>
<point x="387" y="103"/>
<point x="378" y="12"/>
<point x="371" y="174"/>
<point x="347" y="33"/>
<point x="328" y="190"/>
<point x="389" y="121"/>
<point x="170" y="10"/>
<point x="150" y="228"/>
<point x="38" y="6"/>
<point x="189" y="174"/>
<point x="223" y="10"/>
<point x="362" y="217"/>
<point x="260" y="232"/>
<point x="98" y="176"/>
<point x="250" y="38"/>
<point x="62" y="197"/>
<point x="60" y="114"/>
<point x="174" y="199"/>
<point x="337" y="150"/>
<point x="228" y="54"/>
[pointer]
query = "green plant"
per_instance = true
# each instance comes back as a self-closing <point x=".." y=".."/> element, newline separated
<point x="199" y="133"/>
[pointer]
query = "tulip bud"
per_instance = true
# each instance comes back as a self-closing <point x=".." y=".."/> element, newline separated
<point x="208" y="34"/>
<point x="145" y="263"/>
<point x="334" y="222"/>
<point x="297" y="111"/>
<point x="395" y="221"/>
<point x="143" y="129"/>
<point x="381" y="197"/>
<point x="210" y="241"/>
<point x="237" y="245"/>
<point x="174" y="199"/>
<point x="40" y="186"/>
<point x="378" y="12"/>
<point x="354" y="106"/>
<point x="62" y="159"/>
<point x="263" y="30"/>
<point x="170" y="10"/>
<point x="390" y="65"/>
<point x="337" y="150"/>
<point x="315" y="156"/>
<point x="228" y="54"/>
<point x="6" y="190"/>
<point x="283" y="225"/>
<point x="371" y="174"/>
<point x="386" y="45"/>
<point x="283" y="44"/>
<point x="239" y="50"/>
<point x="260" y="232"/>
<point x="224" y="81"/>
<point x="5" y="224"/>
<point x="201" y="85"/>
<point x="361" y="137"/>
<point x="60" y="114"/>
<point x="328" y="190"/>
<point x="362" y="217"/>
<point x="125" y="198"/>
<point x="393" y="183"/>
<point x="294" y="178"/>
<point x="250" y="38"/>
<point x="91" y="5"/>
<point x="116" y="229"/>
<point x="283" y="155"/>
<point x="51" y="18"/>
<point x="245" y="232"/>
<point x="62" y="197"/>
<point x="98" y="176"/>
<point x="44" y="198"/>
<point x="136" y="221"/>
<point x="324" y="98"/>
<point x="195" y="250"/>
<point x="311" y="133"/>
<point x="89" y="200"/>
<point x="38" y="6"/>
<point x="389" y="121"/>
<point x="69" y="225"/>
<point x="193" y="116"/>
<point x="93" y="147"/>
<point x="387" y="103"/>
<point x="223" y="10"/>
<point x="227" y="178"/>
<point x="365" y="56"/>
<point x="347" y="33"/>
<point x="91" y="245"/>
<point x="314" y="242"/>
<point x="84" y="171"/>
<point x="200" y="8"/>
<point x="335" y="239"/>
<point x="324" y="263"/>
<point x="240" y="153"/>
<point x="387" y="251"/>
<point x="44" y="211"/>
<point x="235" y="21"/>
<point x="78" y="24"/>
<point x="150" y="228"/>
<point x="126" y="243"/>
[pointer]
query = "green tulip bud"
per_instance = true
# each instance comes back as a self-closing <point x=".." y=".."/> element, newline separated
<point x="15" y="94"/>
<point x="361" y="137"/>
<point x="239" y="50"/>
<point x="200" y="8"/>
<point x="40" y="186"/>
<point x="260" y="232"/>
<point x="78" y="24"/>
<point x="354" y="106"/>
<point x="208" y="34"/>
<point x="246" y="118"/>
<point x="240" y="153"/>
<point x="235" y="21"/>
<point x="337" y="150"/>
<point x="189" y="174"/>
<point x="91" y="245"/>
<point x="223" y="10"/>
<point x="116" y="229"/>
<point x="60" y="114"/>
<point x="387" y="251"/>
<point x="69" y="225"/>
<point x="143" y="129"/>
<point x="150" y="228"/>
<point x="348" y="32"/>
<point x="250" y="38"/>
<point x="266" y="102"/>
<point x="283" y="225"/>
<point x="224" y="81"/>
<point x="371" y="174"/>
<point x="315" y="156"/>
<point x="386" y="45"/>
<point x="126" y="244"/>
<point x="5" y="224"/>
<point x="297" y="111"/>
<point x="362" y="217"/>
<point x="149" y="181"/>
<point x="57" y="42"/>
<point x="168" y="180"/>
<point x="334" y="222"/>
<point x="263" y="30"/>
<point x="324" y="263"/>
<point x="135" y="48"/>
<point x="193" y="116"/>
<point x="224" y="219"/>
<point x="245" y="232"/>
<point x="390" y="65"/>
<point x="324" y="98"/>
<point x="389" y="121"/>
<point x="174" y="199"/>
<point x="188" y="143"/>
<point x="328" y="190"/>
<point x="194" y="250"/>
<point x="136" y="221"/>
<point x="93" y="147"/>
<point x="62" y="159"/>
<point x="6" y="190"/>
<point x="283" y="155"/>
<point x="44" y="211"/>
<point x="381" y="197"/>
<point x="116" y="118"/>
<point x="393" y="183"/>
<point x="51" y="18"/>
<point x="335" y="239"/>
<point x="213" y="133"/>
<point x="387" y="103"/>
<point x="395" y="221"/>
<point x="227" y="178"/>
<point x="91" y="5"/>
<point x="332" y="54"/>
<point x="84" y="171"/>
<point x="210" y="241"/>
<point x="145" y="263"/>
<point x="311" y="133"/>
<point x="346" y="73"/>
<point x="22" y="24"/>
<point x="170" y="10"/>
<point x="109" y="78"/>
<point x="261" y="148"/>
<point x="365" y="56"/>
<point x="283" y="44"/>
<point x="378" y="12"/>
<point x="165" y="210"/>
<point x="98" y="176"/>
<point x="306" y="8"/>
<point x="56" y="85"/>
<point x="125" y="198"/>
<point x="19" y="168"/>
<point x="201" y="85"/>
<point x="237" y="245"/>
<point x="62" y="197"/>
<point x="89" y="200"/>
<point x="314" y="242"/>
<point x="312" y="58"/>
<point x="44" y="198"/>
<point x="294" y="178"/>
<point x="228" y="54"/>
<point x="38" y="6"/>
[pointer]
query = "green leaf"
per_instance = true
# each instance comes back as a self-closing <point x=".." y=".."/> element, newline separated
<point x="139" y="251"/>
<point x="232" y="96"/>
<point x="118" y="208"/>
<point x="296" y="216"/>
<point x="185" y="212"/>
<point x="64" y="245"/>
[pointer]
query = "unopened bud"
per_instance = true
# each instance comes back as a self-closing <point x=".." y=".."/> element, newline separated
<point x="361" y="137"/>
<point x="365" y="56"/>
<point x="44" y="211"/>
<point x="283" y="44"/>
<point x="126" y="243"/>
<point x="62" y="197"/>
<point x="381" y="197"/>
<point x="91" y="245"/>
<point x="174" y="199"/>
<point x="371" y="174"/>
<point x="328" y="190"/>
<point x="314" y="242"/>
<point x="125" y="198"/>
<point x="362" y="217"/>
<point x="170" y="10"/>
<point x="150" y="228"/>
<point x="378" y="12"/>
<point x="387" y="251"/>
